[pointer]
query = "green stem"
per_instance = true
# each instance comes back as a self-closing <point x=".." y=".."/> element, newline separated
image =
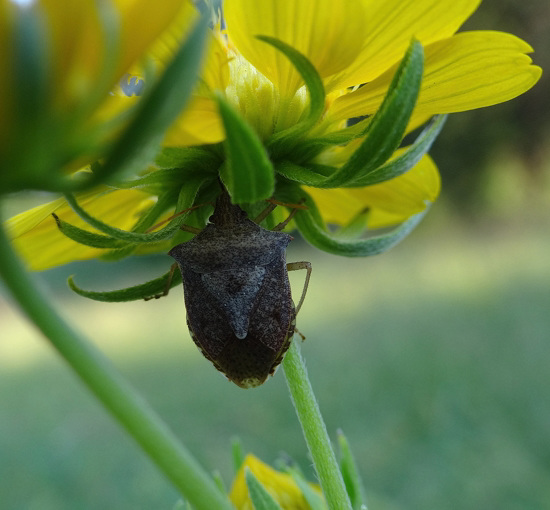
<point x="112" y="390"/>
<point x="314" y="430"/>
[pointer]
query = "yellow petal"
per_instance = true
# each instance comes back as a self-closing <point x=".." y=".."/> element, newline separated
<point x="390" y="26"/>
<point x="390" y="202"/>
<point x="80" y="31"/>
<point x="215" y="71"/>
<point x="40" y="243"/>
<point x="329" y="33"/>
<point x="280" y="485"/>
<point x="469" y="70"/>
<point x="198" y="124"/>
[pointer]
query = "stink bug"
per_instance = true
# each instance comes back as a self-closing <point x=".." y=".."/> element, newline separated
<point x="237" y="294"/>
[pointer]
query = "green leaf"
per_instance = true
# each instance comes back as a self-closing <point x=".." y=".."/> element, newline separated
<point x="87" y="238"/>
<point x="261" y="499"/>
<point x="156" y="112"/>
<point x="388" y="125"/>
<point x="146" y="290"/>
<point x="282" y="141"/>
<point x="313" y="229"/>
<point x="247" y="173"/>
<point x="408" y="159"/>
<point x="350" y="474"/>
<point x="313" y="498"/>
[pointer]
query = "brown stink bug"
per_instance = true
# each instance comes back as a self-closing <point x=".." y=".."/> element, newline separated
<point x="237" y="294"/>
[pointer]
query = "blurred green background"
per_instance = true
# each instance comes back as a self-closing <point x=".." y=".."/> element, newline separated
<point x="433" y="358"/>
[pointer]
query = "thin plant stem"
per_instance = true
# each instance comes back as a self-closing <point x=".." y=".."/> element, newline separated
<point x="315" y="431"/>
<point x="111" y="389"/>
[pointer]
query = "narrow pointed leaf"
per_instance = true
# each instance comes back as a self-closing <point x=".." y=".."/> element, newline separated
<point x="310" y="175"/>
<point x="156" y="111"/>
<point x="247" y="174"/>
<point x="218" y="480"/>
<point x="355" y="228"/>
<point x="167" y="232"/>
<point x="146" y="290"/>
<point x="388" y="125"/>
<point x="261" y="499"/>
<point x="237" y="453"/>
<point x="314" y="499"/>
<point x="307" y="149"/>
<point x="187" y="157"/>
<point x="314" y="231"/>
<point x="315" y="88"/>
<point x="87" y="238"/>
<point x="408" y="159"/>
<point x="350" y="473"/>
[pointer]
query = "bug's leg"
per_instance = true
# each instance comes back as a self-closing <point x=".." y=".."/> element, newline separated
<point x="273" y="204"/>
<point x="168" y="284"/>
<point x="283" y="224"/>
<point x="299" y="333"/>
<point x="293" y="266"/>
<point x="150" y="229"/>
<point x="265" y="213"/>
<point x="189" y="228"/>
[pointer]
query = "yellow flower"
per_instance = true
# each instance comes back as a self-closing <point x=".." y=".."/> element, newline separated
<point x="355" y="47"/>
<point x="280" y="485"/>
<point x="62" y="62"/>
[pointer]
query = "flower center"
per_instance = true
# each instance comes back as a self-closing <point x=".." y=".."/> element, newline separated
<point x="259" y="101"/>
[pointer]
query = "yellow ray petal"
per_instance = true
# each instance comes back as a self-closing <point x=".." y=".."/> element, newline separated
<point x="40" y="243"/>
<point x="469" y="70"/>
<point x="390" y="202"/>
<point x="391" y="24"/>
<point x="215" y="70"/>
<point x="329" y="33"/>
<point x="281" y="486"/>
<point x="79" y="36"/>
<point x="198" y="124"/>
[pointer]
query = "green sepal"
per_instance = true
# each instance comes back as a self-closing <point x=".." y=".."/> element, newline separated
<point x="156" y="112"/>
<point x="350" y="473"/>
<point x="146" y="290"/>
<point x="313" y="499"/>
<point x="164" y="202"/>
<point x="260" y="497"/>
<point x="237" y="453"/>
<point x="281" y="142"/>
<point x="408" y="159"/>
<point x="156" y="181"/>
<point x="308" y="149"/>
<point x="87" y="238"/>
<point x="194" y="158"/>
<point x="310" y="175"/>
<point x="355" y="228"/>
<point x="388" y="125"/>
<point x="247" y="172"/>
<point x="218" y="480"/>
<point x="190" y="190"/>
<point x="313" y="229"/>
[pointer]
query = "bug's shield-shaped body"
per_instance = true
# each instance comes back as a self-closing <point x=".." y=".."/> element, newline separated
<point x="237" y="294"/>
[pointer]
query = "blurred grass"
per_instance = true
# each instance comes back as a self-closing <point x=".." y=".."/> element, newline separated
<point x="432" y="358"/>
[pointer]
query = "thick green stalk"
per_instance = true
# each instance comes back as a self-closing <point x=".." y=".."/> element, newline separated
<point x="314" y="430"/>
<point x="112" y="390"/>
